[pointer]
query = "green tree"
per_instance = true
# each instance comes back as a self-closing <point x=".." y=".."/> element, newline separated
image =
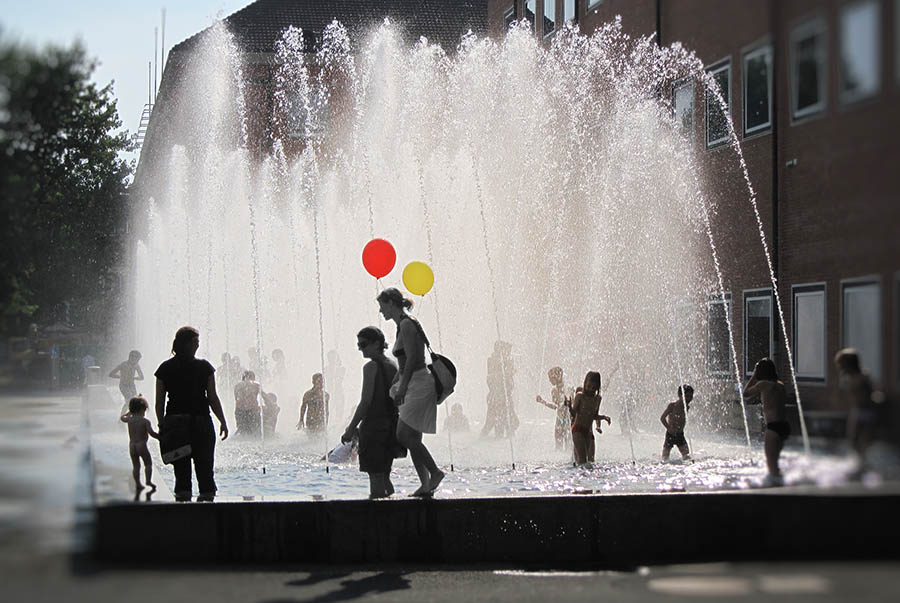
<point x="62" y="189"/>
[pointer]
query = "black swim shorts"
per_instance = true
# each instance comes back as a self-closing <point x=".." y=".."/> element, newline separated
<point x="782" y="428"/>
<point x="675" y="439"/>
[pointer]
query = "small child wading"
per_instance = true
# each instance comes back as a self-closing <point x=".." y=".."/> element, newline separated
<point x="139" y="430"/>
<point x="674" y="420"/>
<point x="585" y="411"/>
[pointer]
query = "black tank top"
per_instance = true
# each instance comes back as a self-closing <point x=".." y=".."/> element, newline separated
<point x="382" y="406"/>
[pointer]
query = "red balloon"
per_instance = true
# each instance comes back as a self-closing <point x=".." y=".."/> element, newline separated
<point x="379" y="257"/>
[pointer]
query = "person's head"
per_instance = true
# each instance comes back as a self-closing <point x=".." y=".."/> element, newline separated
<point x="592" y="383"/>
<point x="555" y="375"/>
<point x="765" y="370"/>
<point x="456" y="409"/>
<point x="138" y="405"/>
<point x="278" y="355"/>
<point x="392" y="303"/>
<point x="226" y="358"/>
<point x="686" y="393"/>
<point x="248" y="376"/>
<point x="186" y="342"/>
<point x="317" y="380"/>
<point x="370" y="341"/>
<point x="270" y="399"/>
<point x="134" y="357"/>
<point x="847" y="361"/>
<point x="235" y="362"/>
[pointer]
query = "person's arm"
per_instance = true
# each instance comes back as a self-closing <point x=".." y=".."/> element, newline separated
<point x="544" y="402"/>
<point x="160" y="401"/>
<point x="124" y="418"/>
<point x="365" y="400"/>
<point x="139" y="376"/>
<point x="116" y="372"/>
<point x="216" y="405"/>
<point x="303" y="407"/>
<point x="751" y="390"/>
<point x="411" y="343"/>
<point x="576" y="404"/>
<point x="664" y="418"/>
<point x="152" y="433"/>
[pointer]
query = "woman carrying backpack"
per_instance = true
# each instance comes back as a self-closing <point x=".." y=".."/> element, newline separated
<point x="413" y="390"/>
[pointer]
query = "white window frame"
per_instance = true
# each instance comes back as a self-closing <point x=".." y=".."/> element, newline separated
<point x="848" y="98"/>
<point x="549" y="34"/>
<point x="715" y="299"/>
<point x="755" y="295"/>
<point x="574" y="17"/>
<point x="863" y="281"/>
<point x="680" y="85"/>
<point x="811" y="27"/>
<point x="723" y="65"/>
<point x="509" y="17"/>
<point x="809" y="289"/>
<point x="764" y="49"/>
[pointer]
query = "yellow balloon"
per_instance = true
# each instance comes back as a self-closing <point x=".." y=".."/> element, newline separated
<point x="418" y="278"/>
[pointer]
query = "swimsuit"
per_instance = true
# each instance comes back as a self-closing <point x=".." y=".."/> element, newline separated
<point x="675" y="439"/>
<point x="782" y="428"/>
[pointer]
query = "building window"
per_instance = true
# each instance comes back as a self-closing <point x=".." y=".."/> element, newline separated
<point x="758" y="90"/>
<point x="809" y="332"/>
<point x="716" y="116"/>
<point x="717" y="315"/>
<point x="530" y="8"/>
<point x="509" y="17"/>
<point x="860" y="43"/>
<point x="549" y="25"/>
<point x="808" y="69"/>
<point x="861" y="322"/>
<point x="569" y="12"/>
<point x="758" y="327"/>
<point x="684" y="106"/>
<point x="593" y="3"/>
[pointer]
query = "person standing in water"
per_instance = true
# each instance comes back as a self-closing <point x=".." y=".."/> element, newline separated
<point x="190" y="383"/>
<point x="375" y="419"/>
<point x="562" y="429"/>
<point x="314" y="407"/>
<point x="674" y="419"/>
<point x="765" y="384"/>
<point x="585" y="411"/>
<point x="127" y="373"/>
<point x="413" y="389"/>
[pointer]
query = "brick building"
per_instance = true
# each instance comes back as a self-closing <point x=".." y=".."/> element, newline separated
<point x="814" y="91"/>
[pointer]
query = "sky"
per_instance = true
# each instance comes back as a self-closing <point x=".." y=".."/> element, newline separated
<point x="119" y="35"/>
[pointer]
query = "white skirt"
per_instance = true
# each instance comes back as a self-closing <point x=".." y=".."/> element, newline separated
<point x="419" y="408"/>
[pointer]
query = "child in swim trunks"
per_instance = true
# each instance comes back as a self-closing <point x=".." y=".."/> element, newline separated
<point x="765" y="384"/>
<point x="674" y="419"/>
<point x="585" y="411"/>
<point x="139" y="429"/>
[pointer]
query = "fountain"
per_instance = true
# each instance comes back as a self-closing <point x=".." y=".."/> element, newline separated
<point x="550" y="189"/>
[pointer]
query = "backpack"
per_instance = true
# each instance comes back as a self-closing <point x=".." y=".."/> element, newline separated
<point x="442" y="369"/>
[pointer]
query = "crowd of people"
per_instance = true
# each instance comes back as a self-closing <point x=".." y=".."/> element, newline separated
<point x="398" y="405"/>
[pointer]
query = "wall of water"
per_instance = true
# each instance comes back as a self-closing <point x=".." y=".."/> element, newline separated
<point x="558" y="195"/>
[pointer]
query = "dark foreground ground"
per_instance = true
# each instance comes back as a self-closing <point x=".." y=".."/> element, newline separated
<point x="45" y="555"/>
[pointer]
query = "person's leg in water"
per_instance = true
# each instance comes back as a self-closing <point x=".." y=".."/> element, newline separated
<point x="203" y="444"/>
<point x="666" y="451"/>
<point x="426" y="468"/>
<point x="135" y="466"/>
<point x="148" y="468"/>
<point x="378" y="485"/>
<point x="579" y="447"/>
<point x="685" y="452"/>
<point x="774" y="444"/>
<point x="591" y="448"/>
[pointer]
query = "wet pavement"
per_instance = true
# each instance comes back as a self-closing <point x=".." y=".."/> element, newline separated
<point x="45" y="527"/>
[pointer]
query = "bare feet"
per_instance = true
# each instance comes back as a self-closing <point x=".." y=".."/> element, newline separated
<point x="436" y="479"/>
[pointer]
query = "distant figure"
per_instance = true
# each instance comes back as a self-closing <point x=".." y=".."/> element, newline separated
<point x="139" y="430"/>
<point x="501" y="415"/>
<point x="256" y="362"/>
<point x="336" y="372"/>
<point x="314" y="408"/>
<point x="235" y="371"/>
<point x="413" y="389"/>
<point x="190" y="383"/>
<point x="765" y="384"/>
<point x="585" y="411"/>
<point x="457" y="421"/>
<point x="246" y="405"/>
<point x="375" y="421"/>
<point x="674" y="419"/>
<point x="127" y="373"/>
<point x="224" y="372"/>
<point x="855" y="388"/>
<point x="270" y="412"/>
<point x="279" y="369"/>
<point x="562" y="429"/>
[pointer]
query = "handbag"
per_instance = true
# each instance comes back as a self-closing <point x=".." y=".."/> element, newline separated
<point x="442" y="369"/>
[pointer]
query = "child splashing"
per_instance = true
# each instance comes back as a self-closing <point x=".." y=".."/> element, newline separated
<point x="585" y="410"/>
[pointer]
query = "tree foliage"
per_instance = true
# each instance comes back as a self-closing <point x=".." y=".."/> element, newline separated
<point x="62" y="189"/>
